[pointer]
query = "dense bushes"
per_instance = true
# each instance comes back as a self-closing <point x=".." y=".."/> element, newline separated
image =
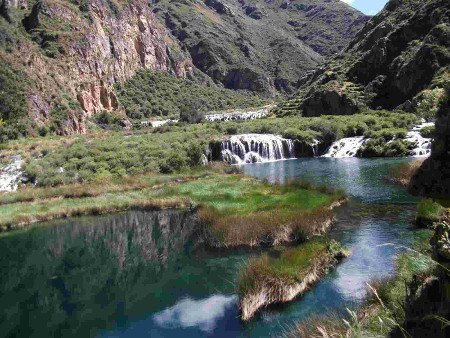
<point x="378" y="147"/>
<point x="157" y="94"/>
<point x="115" y="156"/>
<point x="329" y="128"/>
<point x="13" y="104"/>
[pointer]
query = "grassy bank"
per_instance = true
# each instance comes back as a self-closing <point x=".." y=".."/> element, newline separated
<point x="244" y="211"/>
<point x="52" y="161"/>
<point x="428" y="212"/>
<point x="226" y="202"/>
<point x="386" y="307"/>
<point x="283" y="274"/>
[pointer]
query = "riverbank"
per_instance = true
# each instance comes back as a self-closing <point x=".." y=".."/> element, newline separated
<point x="229" y="205"/>
<point x="101" y="155"/>
<point x="414" y="302"/>
<point x="283" y="274"/>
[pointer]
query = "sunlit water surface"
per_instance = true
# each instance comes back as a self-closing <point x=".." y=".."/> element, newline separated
<point x="137" y="274"/>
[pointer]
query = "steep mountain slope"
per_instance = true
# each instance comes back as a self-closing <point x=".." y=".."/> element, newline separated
<point x="399" y="59"/>
<point x="259" y="45"/>
<point x="63" y="60"/>
<point x="60" y="59"/>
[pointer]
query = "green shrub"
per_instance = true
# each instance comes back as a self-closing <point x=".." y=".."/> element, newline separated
<point x="427" y="132"/>
<point x="428" y="211"/>
<point x="13" y="104"/>
<point x="157" y="94"/>
<point x="378" y="147"/>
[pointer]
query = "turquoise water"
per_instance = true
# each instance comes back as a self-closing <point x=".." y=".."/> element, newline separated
<point x="139" y="274"/>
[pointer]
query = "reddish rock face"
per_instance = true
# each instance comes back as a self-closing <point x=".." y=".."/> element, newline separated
<point x="99" y="51"/>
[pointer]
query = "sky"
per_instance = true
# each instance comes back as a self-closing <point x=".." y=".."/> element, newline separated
<point x="369" y="7"/>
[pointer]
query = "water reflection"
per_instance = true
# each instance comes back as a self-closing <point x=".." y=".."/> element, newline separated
<point x="202" y="313"/>
<point x="363" y="179"/>
<point x="137" y="274"/>
<point x="74" y="277"/>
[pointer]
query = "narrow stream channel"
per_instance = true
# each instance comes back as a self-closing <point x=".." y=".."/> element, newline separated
<point x="137" y="274"/>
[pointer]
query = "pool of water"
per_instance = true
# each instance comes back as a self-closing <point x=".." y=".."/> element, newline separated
<point x="139" y="274"/>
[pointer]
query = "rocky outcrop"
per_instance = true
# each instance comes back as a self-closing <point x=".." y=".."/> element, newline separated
<point x="433" y="177"/>
<point x="328" y="101"/>
<point x="83" y="51"/>
<point x="7" y="5"/>
<point x="440" y="241"/>
<point x="399" y="53"/>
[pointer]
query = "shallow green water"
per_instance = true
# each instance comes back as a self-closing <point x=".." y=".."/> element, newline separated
<point x="137" y="274"/>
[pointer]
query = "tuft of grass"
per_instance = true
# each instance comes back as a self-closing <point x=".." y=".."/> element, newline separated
<point x="282" y="274"/>
<point x="244" y="211"/>
<point x="386" y="303"/>
<point x="428" y="212"/>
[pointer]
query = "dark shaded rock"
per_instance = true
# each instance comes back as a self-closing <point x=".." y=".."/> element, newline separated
<point x="214" y="151"/>
<point x="433" y="177"/>
<point x="254" y="12"/>
<point x="304" y="149"/>
<point x="32" y="21"/>
<point x="5" y="10"/>
<point x="328" y="102"/>
<point x="219" y="6"/>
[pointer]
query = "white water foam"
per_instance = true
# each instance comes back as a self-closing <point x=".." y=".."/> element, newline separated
<point x="238" y="116"/>
<point x="346" y="147"/>
<point x="252" y="148"/>
<point x="422" y="144"/>
<point x="10" y="175"/>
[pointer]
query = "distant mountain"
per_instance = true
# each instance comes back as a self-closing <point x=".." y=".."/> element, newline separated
<point x="61" y="62"/>
<point x="400" y="59"/>
<point x="259" y="45"/>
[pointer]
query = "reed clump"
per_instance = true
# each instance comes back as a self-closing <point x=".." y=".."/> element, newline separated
<point x="282" y="274"/>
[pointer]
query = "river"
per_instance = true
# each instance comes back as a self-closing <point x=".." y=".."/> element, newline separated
<point x="138" y="274"/>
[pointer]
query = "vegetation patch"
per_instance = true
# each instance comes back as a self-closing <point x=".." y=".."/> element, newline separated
<point x="52" y="161"/>
<point x="242" y="211"/>
<point x="388" y="303"/>
<point x="221" y="197"/>
<point x="151" y="94"/>
<point x="428" y="212"/>
<point x="281" y="275"/>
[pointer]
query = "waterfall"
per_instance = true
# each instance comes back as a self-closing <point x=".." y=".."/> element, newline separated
<point x="252" y="148"/>
<point x="346" y="147"/>
<point x="10" y="175"/>
<point x="422" y="144"/>
<point x="315" y="147"/>
<point x="238" y="116"/>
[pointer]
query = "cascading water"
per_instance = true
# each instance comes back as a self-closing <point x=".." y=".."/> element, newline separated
<point x="252" y="148"/>
<point x="10" y="175"/>
<point x="238" y="116"/>
<point x="346" y="147"/>
<point x="422" y="144"/>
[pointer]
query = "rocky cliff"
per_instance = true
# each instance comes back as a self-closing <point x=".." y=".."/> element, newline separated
<point x="259" y="45"/>
<point x="399" y="59"/>
<point x="433" y="177"/>
<point x="69" y="54"/>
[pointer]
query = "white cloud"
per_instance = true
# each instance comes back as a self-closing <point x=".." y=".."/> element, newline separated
<point x="201" y="313"/>
<point x="348" y="1"/>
